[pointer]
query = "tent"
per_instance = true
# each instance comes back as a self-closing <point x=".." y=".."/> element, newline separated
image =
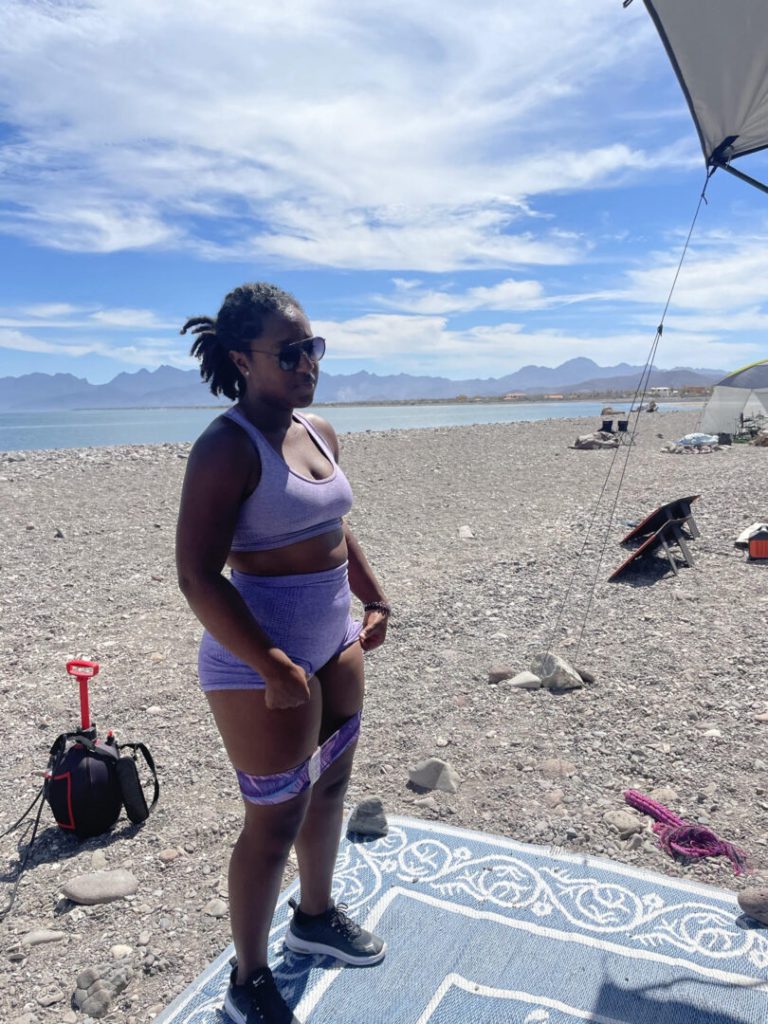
<point x="719" y="53"/>
<point x="740" y="395"/>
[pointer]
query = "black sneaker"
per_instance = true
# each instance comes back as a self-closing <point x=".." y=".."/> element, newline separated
<point x="258" y="1001"/>
<point x="333" y="934"/>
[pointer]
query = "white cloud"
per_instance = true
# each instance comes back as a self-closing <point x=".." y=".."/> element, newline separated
<point x="493" y="351"/>
<point x="506" y="295"/>
<point x="145" y="351"/>
<point x="314" y="133"/>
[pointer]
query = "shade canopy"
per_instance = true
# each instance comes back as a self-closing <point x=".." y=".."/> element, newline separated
<point x="719" y="50"/>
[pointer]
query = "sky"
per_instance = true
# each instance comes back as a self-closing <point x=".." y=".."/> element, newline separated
<point x="449" y="189"/>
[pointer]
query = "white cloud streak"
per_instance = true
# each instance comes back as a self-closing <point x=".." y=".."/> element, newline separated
<point x="316" y="133"/>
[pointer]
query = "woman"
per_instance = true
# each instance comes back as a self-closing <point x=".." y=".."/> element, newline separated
<point x="281" y="660"/>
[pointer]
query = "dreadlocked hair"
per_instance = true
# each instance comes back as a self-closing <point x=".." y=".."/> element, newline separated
<point x="239" y="321"/>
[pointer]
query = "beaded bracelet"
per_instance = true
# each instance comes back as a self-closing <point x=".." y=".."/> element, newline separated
<point x="378" y="606"/>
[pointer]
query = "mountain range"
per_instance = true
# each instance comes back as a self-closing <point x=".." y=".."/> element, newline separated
<point x="168" y="386"/>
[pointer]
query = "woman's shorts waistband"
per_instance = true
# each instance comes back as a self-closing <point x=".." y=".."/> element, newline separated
<point x="243" y="580"/>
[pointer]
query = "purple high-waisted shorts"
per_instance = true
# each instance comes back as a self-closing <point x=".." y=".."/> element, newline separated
<point x="307" y="616"/>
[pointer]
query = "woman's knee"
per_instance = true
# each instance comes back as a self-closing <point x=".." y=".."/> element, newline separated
<point x="273" y="829"/>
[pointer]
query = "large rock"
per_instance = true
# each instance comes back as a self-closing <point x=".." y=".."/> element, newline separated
<point x="555" y="672"/>
<point x="100" y="887"/>
<point x="434" y="774"/>
<point x="368" y="818"/>
<point x="98" y="986"/>
<point x="754" y="902"/>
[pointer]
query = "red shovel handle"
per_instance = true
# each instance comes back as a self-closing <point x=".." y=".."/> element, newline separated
<point x="83" y="671"/>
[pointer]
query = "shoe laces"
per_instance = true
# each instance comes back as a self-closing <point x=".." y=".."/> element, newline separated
<point x="341" y="922"/>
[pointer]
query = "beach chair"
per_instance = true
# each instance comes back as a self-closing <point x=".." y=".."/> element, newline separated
<point x="607" y="427"/>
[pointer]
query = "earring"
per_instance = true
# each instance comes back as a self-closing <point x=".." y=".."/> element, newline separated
<point x="246" y="373"/>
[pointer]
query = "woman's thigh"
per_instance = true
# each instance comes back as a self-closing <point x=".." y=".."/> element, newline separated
<point x="263" y="741"/>
<point x="342" y="684"/>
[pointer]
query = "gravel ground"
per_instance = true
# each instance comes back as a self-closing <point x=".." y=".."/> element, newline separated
<point x="679" y="665"/>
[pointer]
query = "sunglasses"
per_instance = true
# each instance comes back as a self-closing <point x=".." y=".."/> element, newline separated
<point x="289" y="356"/>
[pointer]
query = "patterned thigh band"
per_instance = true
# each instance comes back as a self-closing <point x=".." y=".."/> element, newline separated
<point x="275" y="789"/>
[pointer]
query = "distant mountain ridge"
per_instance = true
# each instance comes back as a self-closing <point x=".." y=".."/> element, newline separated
<point x="169" y="387"/>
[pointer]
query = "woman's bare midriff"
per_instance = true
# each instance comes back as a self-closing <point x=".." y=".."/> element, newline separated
<point x="316" y="554"/>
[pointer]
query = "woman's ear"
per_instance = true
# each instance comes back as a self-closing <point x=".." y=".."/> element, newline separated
<point x="240" y="362"/>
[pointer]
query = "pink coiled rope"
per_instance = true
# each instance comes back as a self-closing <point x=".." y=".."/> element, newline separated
<point x="683" y="840"/>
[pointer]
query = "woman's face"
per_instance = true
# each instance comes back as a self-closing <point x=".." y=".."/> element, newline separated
<point x="265" y="379"/>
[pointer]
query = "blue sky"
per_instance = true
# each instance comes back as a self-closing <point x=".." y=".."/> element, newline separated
<point x="449" y="189"/>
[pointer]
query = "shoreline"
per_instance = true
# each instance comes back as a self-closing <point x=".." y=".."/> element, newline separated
<point x="679" y="670"/>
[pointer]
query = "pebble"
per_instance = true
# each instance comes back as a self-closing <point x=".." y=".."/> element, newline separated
<point x="623" y="822"/>
<point x="428" y="802"/>
<point x="144" y="939"/>
<point x="50" y="996"/>
<point x="120" y="952"/>
<point x="526" y="681"/>
<point x="168" y="856"/>
<point x="557" y="768"/>
<point x="100" y="887"/>
<point x="215" y="908"/>
<point x="441" y="741"/>
<point x="465" y="533"/>
<point x="98" y="860"/>
<point x="41" y="936"/>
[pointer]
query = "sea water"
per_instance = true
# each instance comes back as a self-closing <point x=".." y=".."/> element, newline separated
<point x="87" y="428"/>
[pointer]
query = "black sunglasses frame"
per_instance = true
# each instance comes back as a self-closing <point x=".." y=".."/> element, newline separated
<point x="289" y="356"/>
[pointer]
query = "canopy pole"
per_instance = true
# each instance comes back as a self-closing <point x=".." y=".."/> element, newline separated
<point x="740" y="174"/>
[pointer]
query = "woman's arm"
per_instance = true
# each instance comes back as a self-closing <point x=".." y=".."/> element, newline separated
<point x="365" y="587"/>
<point x="362" y="580"/>
<point x="215" y="483"/>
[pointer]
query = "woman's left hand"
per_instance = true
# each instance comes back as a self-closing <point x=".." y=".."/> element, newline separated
<point x="374" y="631"/>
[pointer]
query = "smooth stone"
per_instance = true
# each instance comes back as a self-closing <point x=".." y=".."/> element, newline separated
<point x="215" y="908"/>
<point x="168" y="856"/>
<point x="50" y="996"/>
<point x="554" y="798"/>
<point x="555" y="672"/>
<point x="428" y="802"/>
<point x="42" y="935"/>
<point x="557" y="768"/>
<point x="525" y="681"/>
<point x="98" y="860"/>
<point x="465" y="533"/>
<point x="120" y="952"/>
<point x="368" y="818"/>
<point x="754" y="903"/>
<point x="623" y="822"/>
<point x="664" y="795"/>
<point x="433" y="773"/>
<point x="100" y="887"/>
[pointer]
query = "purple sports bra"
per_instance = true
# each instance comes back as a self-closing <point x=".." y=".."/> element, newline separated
<point x="287" y="507"/>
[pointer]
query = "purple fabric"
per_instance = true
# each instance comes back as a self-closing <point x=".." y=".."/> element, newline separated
<point x="287" y="507"/>
<point x="306" y="615"/>
<point x="683" y="840"/>
<point x="275" y="789"/>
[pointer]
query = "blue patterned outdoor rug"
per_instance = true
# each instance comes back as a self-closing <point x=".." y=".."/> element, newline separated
<point x="483" y="930"/>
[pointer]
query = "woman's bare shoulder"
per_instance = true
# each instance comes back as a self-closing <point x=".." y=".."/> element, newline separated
<point x="325" y="430"/>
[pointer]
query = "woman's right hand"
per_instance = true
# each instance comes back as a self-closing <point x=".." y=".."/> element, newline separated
<point x="286" y="686"/>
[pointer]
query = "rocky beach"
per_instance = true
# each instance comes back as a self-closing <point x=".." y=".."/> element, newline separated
<point x="494" y="544"/>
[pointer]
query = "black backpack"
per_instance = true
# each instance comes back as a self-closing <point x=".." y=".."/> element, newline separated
<point x="89" y="781"/>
